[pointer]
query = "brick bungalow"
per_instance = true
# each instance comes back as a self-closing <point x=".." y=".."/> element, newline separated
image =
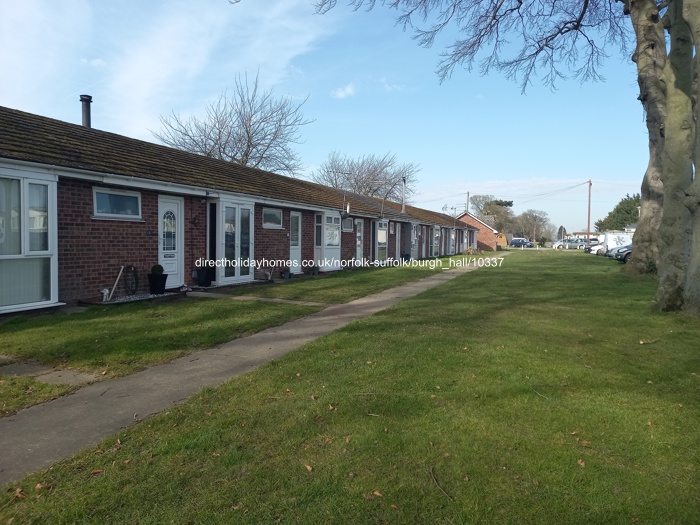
<point x="487" y="240"/>
<point x="77" y="204"/>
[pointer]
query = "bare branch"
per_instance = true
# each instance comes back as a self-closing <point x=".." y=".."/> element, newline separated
<point x="565" y="37"/>
<point x="251" y="127"/>
<point x="371" y="175"/>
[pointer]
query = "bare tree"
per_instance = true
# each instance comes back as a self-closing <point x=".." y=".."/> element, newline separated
<point x="250" y="127"/>
<point x="534" y="224"/>
<point x="371" y="175"/>
<point x="477" y="203"/>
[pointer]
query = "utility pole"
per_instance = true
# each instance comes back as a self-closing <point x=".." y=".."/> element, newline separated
<point x="467" y="206"/>
<point x="588" y="232"/>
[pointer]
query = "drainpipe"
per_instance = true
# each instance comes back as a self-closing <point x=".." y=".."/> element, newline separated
<point x="86" y="100"/>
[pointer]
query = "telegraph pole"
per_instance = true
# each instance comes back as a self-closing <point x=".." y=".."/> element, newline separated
<point x="588" y="232"/>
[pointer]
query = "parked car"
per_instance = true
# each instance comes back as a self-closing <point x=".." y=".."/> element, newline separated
<point x="624" y="253"/>
<point x="598" y="249"/>
<point x="594" y="248"/>
<point x="518" y="242"/>
<point x="612" y="253"/>
<point x="570" y="244"/>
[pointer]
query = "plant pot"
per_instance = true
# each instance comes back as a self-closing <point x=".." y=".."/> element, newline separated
<point x="286" y="274"/>
<point x="203" y="277"/>
<point x="156" y="283"/>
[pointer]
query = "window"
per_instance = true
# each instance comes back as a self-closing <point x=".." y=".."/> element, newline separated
<point x="27" y="240"/>
<point x="436" y="242"/>
<point x="382" y="240"/>
<point x="271" y="218"/>
<point x="10" y="232"/>
<point x="318" y="237"/>
<point x="116" y="204"/>
<point x="391" y="228"/>
<point x="38" y="217"/>
<point x="347" y="225"/>
<point x="332" y="231"/>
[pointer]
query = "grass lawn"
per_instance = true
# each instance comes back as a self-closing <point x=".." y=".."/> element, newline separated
<point x="17" y="392"/>
<point x="119" y="340"/>
<point x="543" y="391"/>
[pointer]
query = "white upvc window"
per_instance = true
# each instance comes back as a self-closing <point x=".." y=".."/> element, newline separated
<point x="347" y="225"/>
<point x="332" y="231"/>
<point x="272" y="218"/>
<point x="114" y="204"/>
<point x="28" y="261"/>
<point x="382" y="240"/>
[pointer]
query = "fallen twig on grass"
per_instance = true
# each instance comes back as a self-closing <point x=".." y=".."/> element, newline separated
<point x="432" y="476"/>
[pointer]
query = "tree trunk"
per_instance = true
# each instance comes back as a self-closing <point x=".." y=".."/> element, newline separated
<point x="650" y="57"/>
<point x="679" y="142"/>
<point x="691" y="291"/>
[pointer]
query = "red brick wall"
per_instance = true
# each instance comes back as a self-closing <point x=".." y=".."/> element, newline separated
<point x="91" y="251"/>
<point x="273" y="244"/>
<point x="348" y="243"/>
<point x="486" y="239"/>
<point x="307" y="235"/>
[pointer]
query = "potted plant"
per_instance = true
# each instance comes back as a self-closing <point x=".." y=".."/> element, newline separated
<point x="286" y="273"/>
<point x="156" y="280"/>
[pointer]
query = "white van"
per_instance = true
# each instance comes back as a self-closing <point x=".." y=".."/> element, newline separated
<point x="614" y="239"/>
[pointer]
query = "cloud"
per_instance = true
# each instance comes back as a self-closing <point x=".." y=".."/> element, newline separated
<point x="93" y="62"/>
<point x="391" y="87"/>
<point x="39" y="39"/>
<point x="345" y="91"/>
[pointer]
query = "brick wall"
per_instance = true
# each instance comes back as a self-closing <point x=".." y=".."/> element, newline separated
<point x="91" y="251"/>
<point x="274" y="244"/>
<point x="486" y="238"/>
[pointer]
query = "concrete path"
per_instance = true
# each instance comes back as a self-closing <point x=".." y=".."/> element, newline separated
<point x="39" y="436"/>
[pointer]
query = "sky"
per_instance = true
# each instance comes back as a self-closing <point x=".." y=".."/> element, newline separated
<point x="371" y="90"/>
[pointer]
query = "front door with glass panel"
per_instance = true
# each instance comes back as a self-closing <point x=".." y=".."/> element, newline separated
<point x="171" y="239"/>
<point x="295" y="242"/>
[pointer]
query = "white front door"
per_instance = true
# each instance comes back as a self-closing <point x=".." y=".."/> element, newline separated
<point x="360" y="239"/>
<point x="295" y="242"/>
<point x="171" y="254"/>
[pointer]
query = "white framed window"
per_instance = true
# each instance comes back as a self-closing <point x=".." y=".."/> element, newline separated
<point x="116" y="204"/>
<point x="382" y="240"/>
<point x="347" y="225"/>
<point x="28" y="240"/>
<point x="318" y="232"/>
<point x="391" y="228"/>
<point x="272" y="218"/>
<point x="332" y="231"/>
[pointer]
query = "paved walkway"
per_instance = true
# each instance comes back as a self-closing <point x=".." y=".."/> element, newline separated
<point x="39" y="436"/>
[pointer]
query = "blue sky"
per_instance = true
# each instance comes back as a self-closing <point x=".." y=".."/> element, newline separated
<point x="371" y="90"/>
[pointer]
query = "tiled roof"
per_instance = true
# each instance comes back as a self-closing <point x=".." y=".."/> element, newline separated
<point x="32" y="138"/>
